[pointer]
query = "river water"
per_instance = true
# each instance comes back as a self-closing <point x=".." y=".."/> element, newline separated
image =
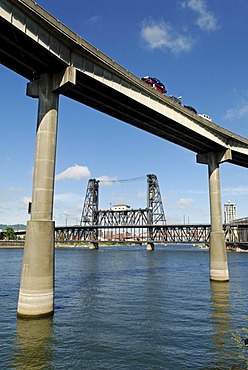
<point x="128" y="308"/>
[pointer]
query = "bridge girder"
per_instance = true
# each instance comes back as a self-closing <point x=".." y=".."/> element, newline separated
<point x="101" y="83"/>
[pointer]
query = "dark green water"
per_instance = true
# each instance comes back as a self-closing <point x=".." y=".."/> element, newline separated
<point x="127" y="308"/>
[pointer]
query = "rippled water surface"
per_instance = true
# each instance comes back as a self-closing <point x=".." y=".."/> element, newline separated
<point x="128" y="308"/>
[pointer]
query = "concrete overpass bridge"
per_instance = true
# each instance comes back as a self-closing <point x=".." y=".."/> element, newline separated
<point x="57" y="61"/>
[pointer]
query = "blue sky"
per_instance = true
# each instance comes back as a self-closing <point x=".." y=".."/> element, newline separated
<point x="197" y="48"/>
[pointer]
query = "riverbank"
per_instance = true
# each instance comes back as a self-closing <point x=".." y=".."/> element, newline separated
<point x="19" y="244"/>
<point x="11" y="244"/>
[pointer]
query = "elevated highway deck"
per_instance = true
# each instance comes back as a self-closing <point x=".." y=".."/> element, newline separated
<point x="33" y="42"/>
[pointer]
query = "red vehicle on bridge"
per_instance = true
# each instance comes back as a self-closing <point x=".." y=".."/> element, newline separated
<point x="155" y="83"/>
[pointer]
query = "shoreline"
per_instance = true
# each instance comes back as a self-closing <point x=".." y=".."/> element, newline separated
<point x="20" y="245"/>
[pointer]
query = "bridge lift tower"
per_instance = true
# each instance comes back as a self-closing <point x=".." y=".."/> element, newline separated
<point x="148" y="218"/>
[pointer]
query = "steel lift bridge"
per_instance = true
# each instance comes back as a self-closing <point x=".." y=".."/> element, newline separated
<point x="125" y="225"/>
<point x="137" y="226"/>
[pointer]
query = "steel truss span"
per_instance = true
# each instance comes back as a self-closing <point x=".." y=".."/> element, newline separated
<point x="146" y="225"/>
<point x="166" y="234"/>
<point x="134" y="233"/>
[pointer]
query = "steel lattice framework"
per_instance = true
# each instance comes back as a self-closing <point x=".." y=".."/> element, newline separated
<point x="90" y="207"/>
<point x="128" y="221"/>
<point x="152" y="215"/>
<point x="130" y="218"/>
<point x="236" y="235"/>
<point x="139" y="225"/>
<point x="154" y="202"/>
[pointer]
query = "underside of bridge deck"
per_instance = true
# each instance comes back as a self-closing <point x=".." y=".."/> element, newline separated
<point x="30" y="59"/>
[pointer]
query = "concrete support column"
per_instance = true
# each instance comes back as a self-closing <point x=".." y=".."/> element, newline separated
<point x="36" y="296"/>
<point x="218" y="254"/>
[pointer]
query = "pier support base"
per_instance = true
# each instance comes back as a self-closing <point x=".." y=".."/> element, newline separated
<point x="36" y="295"/>
<point x="150" y="247"/>
<point x="218" y="257"/>
<point x="93" y="245"/>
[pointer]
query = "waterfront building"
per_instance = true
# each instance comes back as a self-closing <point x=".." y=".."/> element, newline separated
<point x="230" y="212"/>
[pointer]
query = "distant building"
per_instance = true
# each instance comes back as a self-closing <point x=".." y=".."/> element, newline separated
<point x="230" y="212"/>
<point x="120" y="207"/>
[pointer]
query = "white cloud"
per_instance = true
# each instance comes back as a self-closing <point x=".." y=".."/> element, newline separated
<point x="206" y="19"/>
<point x="238" y="112"/>
<point x="141" y="194"/>
<point x="185" y="203"/>
<point x="67" y="197"/>
<point x="75" y="172"/>
<point x="5" y="206"/>
<point x="14" y="190"/>
<point x="68" y="208"/>
<point x="95" y="19"/>
<point x="240" y="105"/>
<point x="159" y="35"/>
<point x="23" y="203"/>
<point x="240" y="190"/>
<point x="107" y="180"/>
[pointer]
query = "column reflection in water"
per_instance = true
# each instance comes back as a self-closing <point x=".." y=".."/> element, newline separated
<point x="33" y="344"/>
<point x="225" y="355"/>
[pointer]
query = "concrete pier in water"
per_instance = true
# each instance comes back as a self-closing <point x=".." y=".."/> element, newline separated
<point x="36" y="295"/>
<point x="150" y="246"/>
<point x="217" y="247"/>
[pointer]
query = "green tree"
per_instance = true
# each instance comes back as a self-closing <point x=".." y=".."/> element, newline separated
<point x="9" y="234"/>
